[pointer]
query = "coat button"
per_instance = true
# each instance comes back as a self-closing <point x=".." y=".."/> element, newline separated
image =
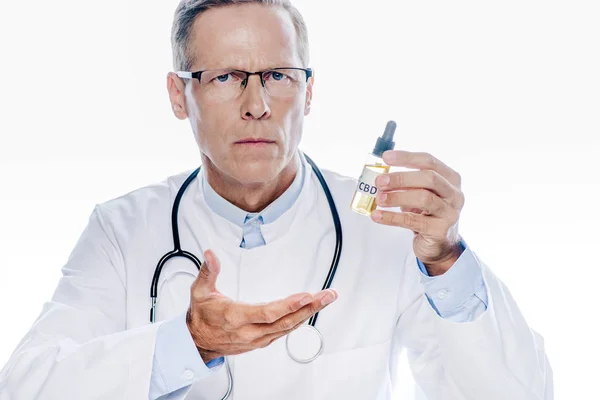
<point x="188" y="374"/>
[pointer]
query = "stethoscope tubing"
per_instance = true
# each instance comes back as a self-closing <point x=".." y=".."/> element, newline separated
<point x="178" y="252"/>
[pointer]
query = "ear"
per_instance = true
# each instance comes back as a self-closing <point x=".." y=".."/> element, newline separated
<point x="176" y="89"/>
<point x="309" y="94"/>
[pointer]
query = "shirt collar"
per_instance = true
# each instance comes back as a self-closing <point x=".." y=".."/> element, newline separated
<point x="237" y="216"/>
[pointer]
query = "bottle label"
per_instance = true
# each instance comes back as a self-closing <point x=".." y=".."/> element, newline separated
<point x="366" y="182"/>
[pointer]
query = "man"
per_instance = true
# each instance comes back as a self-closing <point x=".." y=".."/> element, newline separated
<point x="259" y="217"/>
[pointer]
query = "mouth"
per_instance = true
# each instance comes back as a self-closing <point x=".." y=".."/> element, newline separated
<point x="255" y="141"/>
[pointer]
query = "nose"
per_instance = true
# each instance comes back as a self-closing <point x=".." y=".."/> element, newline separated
<point x="254" y="104"/>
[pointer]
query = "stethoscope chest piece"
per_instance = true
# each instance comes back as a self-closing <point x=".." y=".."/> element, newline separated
<point x="304" y="344"/>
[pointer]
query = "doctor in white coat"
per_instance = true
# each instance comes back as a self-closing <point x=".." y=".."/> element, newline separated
<point x="258" y="218"/>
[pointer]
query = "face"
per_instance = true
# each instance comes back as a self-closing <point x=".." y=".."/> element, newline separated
<point x="249" y="37"/>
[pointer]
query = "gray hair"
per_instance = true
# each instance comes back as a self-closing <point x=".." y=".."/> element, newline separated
<point x="188" y="10"/>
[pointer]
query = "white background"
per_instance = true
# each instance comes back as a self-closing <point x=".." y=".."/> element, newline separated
<point x="506" y="93"/>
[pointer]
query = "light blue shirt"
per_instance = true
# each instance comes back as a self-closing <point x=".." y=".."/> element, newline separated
<point x="458" y="295"/>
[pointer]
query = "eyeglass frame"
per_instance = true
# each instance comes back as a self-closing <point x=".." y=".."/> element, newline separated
<point x="198" y="74"/>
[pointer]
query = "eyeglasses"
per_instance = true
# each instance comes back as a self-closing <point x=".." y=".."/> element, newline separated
<point x="227" y="83"/>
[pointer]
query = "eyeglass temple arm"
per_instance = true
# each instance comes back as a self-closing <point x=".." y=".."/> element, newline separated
<point x="184" y="74"/>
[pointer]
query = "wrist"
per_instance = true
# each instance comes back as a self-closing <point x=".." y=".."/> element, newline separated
<point x="445" y="263"/>
<point x="207" y="355"/>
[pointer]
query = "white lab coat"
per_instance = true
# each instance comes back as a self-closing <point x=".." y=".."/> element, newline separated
<point x="93" y="340"/>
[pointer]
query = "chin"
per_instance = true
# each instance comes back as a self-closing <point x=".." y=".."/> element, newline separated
<point x="257" y="170"/>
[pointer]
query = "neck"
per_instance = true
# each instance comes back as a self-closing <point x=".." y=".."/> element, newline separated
<point x="253" y="197"/>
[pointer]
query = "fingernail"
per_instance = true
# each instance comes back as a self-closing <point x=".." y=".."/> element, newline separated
<point x="328" y="298"/>
<point x="376" y="215"/>
<point x="305" y="300"/>
<point x="381" y="197"/>
<point x="383" y="180"/>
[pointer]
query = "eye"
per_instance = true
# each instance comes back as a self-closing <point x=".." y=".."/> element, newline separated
<point x="224" y="77"/>
<point x="277" y="75"/>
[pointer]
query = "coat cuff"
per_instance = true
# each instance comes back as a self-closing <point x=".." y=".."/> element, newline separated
<point x="177" y="363"/>
<point x="460" y="290"/>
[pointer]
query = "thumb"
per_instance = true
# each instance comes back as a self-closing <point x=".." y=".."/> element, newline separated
<point x="209" y="271"/>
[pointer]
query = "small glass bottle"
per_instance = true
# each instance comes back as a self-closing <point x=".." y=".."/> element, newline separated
<point x="363" y="201"/>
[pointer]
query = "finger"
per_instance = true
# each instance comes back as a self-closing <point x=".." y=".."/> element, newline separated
<point x="425" y="179"/>
<point x="402" y="158"/>
<point x="206" y="280"/>
<point x="421" y="199"/>
<point x="240" y="314"/>
<point x="322" y="300"/>
<point x="259" y="340"/>
<point x="266" y="340"/>
<point x="427" y="225"/>
<point x="252" y="333"/>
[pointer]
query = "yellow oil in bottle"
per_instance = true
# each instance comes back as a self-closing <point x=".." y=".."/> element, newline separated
<point x="363" y="201"/>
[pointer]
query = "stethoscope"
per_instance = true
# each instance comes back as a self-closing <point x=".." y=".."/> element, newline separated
<point x="305" y="343"/>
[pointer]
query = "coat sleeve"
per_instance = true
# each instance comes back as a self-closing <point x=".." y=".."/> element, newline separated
<point x="495" y="357"/>
<point x="78" y="347"/>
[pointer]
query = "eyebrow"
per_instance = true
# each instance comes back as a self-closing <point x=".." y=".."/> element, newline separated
<point x="271" y="66"/>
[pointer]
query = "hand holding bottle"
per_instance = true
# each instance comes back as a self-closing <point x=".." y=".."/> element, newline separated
<point x="430" y="198"/>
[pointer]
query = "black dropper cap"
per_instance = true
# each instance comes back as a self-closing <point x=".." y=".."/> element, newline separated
<point x="386" y="142"/>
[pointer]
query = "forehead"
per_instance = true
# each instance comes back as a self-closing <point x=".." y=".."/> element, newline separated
<point x="244" y="36"/>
